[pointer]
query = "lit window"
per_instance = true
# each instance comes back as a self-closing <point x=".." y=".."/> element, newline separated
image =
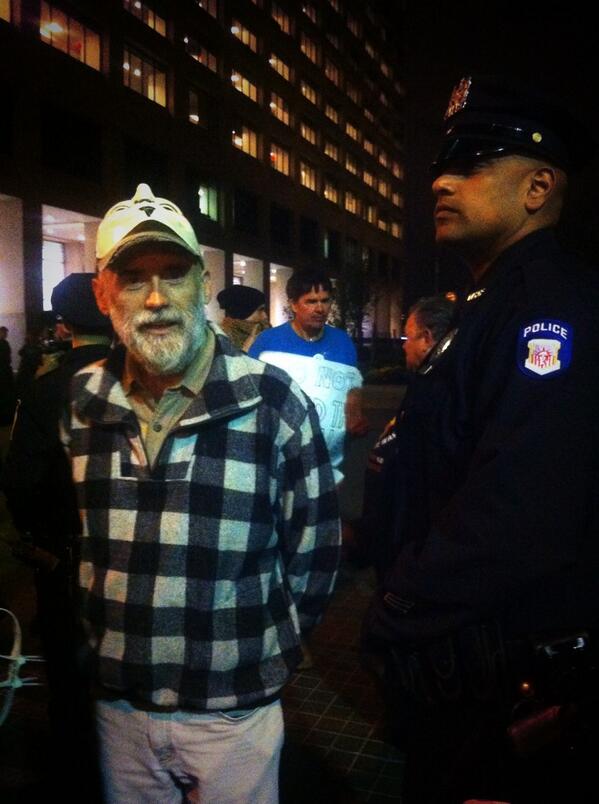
<point x="208" y="201"/>
<point x="308" y="133"/>
<point x="397" y="170"/>
<point x="196" y="112"/>
<point x="336" y="5"/>
<point x="352" y="131"/>
<point x="200" y="54"/>
<point x="395" y="229"/>
<point x="5" y="10"/>
<point x="354" y="25"/>
<point x="246" y="140"/>
<point x="396" y="199"/>
<point x="369" y="179"/>
<point x="143" y="76"/>
<point x="146" y="14"/>
<point x="310" y="12"/>
<point x="371" y="213"/>
<point x="383" y="224"/>
<point x="279" y="158"/>
<point x="352" y="204"/>
<point x="331" y="150"/>
<point x="386" y="70"/>
<point x="279" y="108"/>
<point x="244" y="35"/>
<point x="332" y="72"/>
<point x="308" y="176"/>
<point x="209" y="6"/>
<point x="309" y="92"/>
<point x="309" y="48"/>
<point x="369" y="49"/>
<point x="282" y="19"/>
<point x="383" y="158"/>
<point x="331" y="112"/>
<point x="352" y="93"/>
<point x="351" y="164"/>
<point x="280" y="67"/>
<point x="384" y="188"/>
<point x="245" y="86"/>
<point x="69" y="35"/>
<point x="53" y="268"/>
<point x="331" y="191"/>
<point x="368" y="146"/>
<point x="383" y="99"/>
<point x="368" y="114"/>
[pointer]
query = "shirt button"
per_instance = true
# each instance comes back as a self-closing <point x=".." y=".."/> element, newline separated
<point x="156" y="427"/>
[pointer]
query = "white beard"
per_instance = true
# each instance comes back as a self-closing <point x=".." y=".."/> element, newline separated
<point x="162" y="354"/>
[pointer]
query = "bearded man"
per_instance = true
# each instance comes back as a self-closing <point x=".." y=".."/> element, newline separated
<point x="210" y="531"/>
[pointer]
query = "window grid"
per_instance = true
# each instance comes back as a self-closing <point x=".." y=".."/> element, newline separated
<point x="279" y="66"/>
<point x="332" y="72"/>
<point x="384" y="188"/>
<point x="146" y="14"/>
<point x="352" y="131"/>
<point x="368" y="146"/>
<point x="308" y="133"/>
<point x="280" y="108"/>
<point x="279" y="158"/>
<point x="369" y="178"/>
<point x="331" y="112"/>
<point x="143" y="76"/>
<point x="309" y="48"/>
<point x="246" y="140"/>
<point x="352" y="203"/>
<point x="200" y="54"/>
<point x="69" y="35"/>
<point x="395" y="229"/>
<point x="245" y="86"/>
<point x="244" y="35"/>
<point x="210" y="6"/>
<point x="331" y="150"/>
<point x="397" y="170"/>
<point x="309" y="92"/>
<point x="282" y="19"/>
<point x="208" y="201"/>
<point x="351" y="164"/>
<point x="331" y="191"/>
<point x="308" y="176"/>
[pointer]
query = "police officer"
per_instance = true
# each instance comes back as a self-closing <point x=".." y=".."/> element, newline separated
<point x="496" y="511"/>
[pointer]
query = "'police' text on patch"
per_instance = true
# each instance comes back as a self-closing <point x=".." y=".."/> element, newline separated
<point x="544" y="347"/>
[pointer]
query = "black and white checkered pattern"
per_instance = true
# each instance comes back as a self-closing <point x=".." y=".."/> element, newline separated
<point x="198" y="575"/>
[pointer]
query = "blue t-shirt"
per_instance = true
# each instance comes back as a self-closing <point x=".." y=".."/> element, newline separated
<point x="335" y="344"/>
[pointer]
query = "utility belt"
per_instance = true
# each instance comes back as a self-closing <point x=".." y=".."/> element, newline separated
<point x="545" y="686"/>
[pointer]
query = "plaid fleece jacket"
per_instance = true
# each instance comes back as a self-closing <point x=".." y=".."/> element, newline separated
<point x="198" y="575"/>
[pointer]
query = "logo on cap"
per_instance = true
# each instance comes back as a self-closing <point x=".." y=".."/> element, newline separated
<point x="459" y="96"/>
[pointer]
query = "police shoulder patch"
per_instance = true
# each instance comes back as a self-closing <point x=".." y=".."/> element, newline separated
<point x="544" y="347"/>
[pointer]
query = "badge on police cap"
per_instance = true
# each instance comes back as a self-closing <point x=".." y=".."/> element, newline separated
<point x="544" y="347"/>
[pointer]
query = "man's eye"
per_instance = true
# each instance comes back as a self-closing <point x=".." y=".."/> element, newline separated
<point x="131" y="281"/>
<point x="174" y="275"/>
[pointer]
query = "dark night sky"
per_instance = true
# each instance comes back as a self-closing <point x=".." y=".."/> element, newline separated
<point x="553" y="45"/>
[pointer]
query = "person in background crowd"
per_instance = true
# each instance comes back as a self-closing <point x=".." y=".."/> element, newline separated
<point x="211" y="533"/>
<point x="369" y="539"/>
<point x="487" y="619"/>
<point x="245" y="314"/>
<point x="321" y="358"/>
<point x="37" y="484"/>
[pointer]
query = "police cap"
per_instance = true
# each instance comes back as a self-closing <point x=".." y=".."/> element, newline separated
<point x="74" y="301"/>
<point x="491" y="116"/>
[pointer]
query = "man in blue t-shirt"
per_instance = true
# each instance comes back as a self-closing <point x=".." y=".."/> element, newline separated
<point x="322" y="359"/>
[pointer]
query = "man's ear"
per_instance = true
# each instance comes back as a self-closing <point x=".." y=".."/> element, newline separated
<point x="98" y="285"/>
<point x="428" y="339"/>
<point x="542" y="183"/>
<point x="207" y="280"/>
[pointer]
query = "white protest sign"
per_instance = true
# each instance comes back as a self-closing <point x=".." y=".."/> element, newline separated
<point x="327" y="383"/>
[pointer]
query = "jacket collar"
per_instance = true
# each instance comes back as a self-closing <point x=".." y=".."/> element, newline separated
<point x="230" y="389"/>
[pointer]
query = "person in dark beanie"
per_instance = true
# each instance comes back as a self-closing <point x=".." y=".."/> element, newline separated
<point x="245" y="314"/>
<point x="36" y="469"/>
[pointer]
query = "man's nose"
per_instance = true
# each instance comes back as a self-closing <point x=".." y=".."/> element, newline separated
<point x="442" y="185"/>
<point x="156" y="297"/>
